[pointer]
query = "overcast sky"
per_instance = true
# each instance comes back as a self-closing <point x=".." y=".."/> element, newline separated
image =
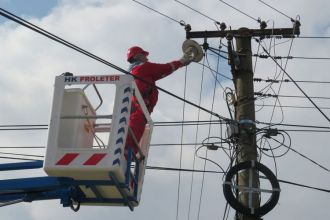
<point x="29" y="63"/>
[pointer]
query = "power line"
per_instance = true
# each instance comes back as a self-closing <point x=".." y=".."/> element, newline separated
<point x="217" y="73"/>
<point x="78" y="49"/>
<point x="28" y="147"/>
<point x="293" y="106"/>
<point x="217" y="52"/>
<point x="286" y="73"/>
<point x="24" y="155"/>
<point x="159" y="168"/>
<point x="220" y="172"/>
<point x="18" y="127"/>
<point x="302" y="155"/>
<point x="208" y="122"/>
<point x="276" y="10"/>
<point x="280" y="73"/>
<point x="25" y="125"/>
<point x="22" y="129"/>
<point x="289" y="96"/>
<point x="156" y="123"/>
<point x="287" y="80"/>
<point x="208" y="136"/>
<point x="257" y="20"/>
<point x="298" y="37"/>
<point x="313" y="37"/>
<point x="182" y="23"/>
<point x="187" y="123"/>
<point x="215" y="21"/>
<point x="163" y="124"/>
<point x="16" y="158"/>
<point x="190" y="123"/>
<point x="305" y="130"/>
<point x="290" y="57"/>
<point x="292" y="125"/>
<point x="183" y="170"/>
<point x="196" y="136"/>
<point x="304" y="186"/>
<point x="181" y="147"/>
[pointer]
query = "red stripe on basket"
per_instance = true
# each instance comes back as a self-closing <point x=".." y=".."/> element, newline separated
<point x="67" y="159"/>
<point x="94" y="159"/>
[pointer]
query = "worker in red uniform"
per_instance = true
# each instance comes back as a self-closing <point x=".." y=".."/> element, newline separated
<point x="150" y="72"/>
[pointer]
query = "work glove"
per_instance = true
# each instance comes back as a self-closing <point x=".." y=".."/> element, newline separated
<point x="187" y="57"/>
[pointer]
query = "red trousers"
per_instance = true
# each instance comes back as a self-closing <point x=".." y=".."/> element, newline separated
<point x="137" y="123"/>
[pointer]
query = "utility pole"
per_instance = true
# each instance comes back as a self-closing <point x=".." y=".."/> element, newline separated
<point x="241" y="64"/>
<point x="245" y="116"/>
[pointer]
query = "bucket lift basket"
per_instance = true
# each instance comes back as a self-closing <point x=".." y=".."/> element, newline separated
<point x="73" y="127"/>
<point x="78" y="171"/>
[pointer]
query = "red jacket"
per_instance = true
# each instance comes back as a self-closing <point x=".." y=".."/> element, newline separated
<point x="152" y="72"/>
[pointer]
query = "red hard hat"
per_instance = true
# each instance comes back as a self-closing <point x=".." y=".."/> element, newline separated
<point x="133" y="51"/>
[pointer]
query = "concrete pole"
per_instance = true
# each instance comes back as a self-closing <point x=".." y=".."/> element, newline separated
<point x="245" y="115"/>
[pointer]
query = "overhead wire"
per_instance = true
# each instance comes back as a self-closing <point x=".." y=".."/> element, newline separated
<point x="229" y="102"/>
<point x="17" y="158"/>
<point x="276" y="74"/>
<point x="290" y="125"/>
<point x="277" y="100"/>
<point x="280" y="86"/>
<point x="257" y="20"/>
<point x="216" y="73"/>
<point x="207" y="122"/>
<point x="209" y="160"/>
<point x="262" y="152"/>
<point x="24" y="155"/>
<point x="22" y="129"/>
<point x="197" y="11"/>
<point x="218" y="53"/>
<point x="159" y="168"/>
<point x="290" y="57"/>
<point x="225" y="212"/>
<point x="203" y="176"/>
<point x="199" y="171"/>
<point x="230" y="155"/>
<point x="28" y="147"/>
<point x="281" y="69"/>
<point x="152" y="144"/>
<point x="181" y="146"/>
<point x="302" y="155"/>
<point x="156" y="123"/>
<point x="256" y="60"/>
<point x="220" y="172"/>
<point x="196" y="137"/>
<point x="289" y="96"/>
<point x="286" y="73"/>
<point x="187" y="123"/>
<point x="24" y="125"/>
<point x="209" y="132"/>
<point x="304" y="130"/>
<point x="313" y="37"/>
<point x="266" y="136"/>
<point x="293" y="106"/>
<point x="270" y="85"/>
<point x="290" y="81"/>
<point x="182" y="23"/>
<point x="263" y="2"/>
